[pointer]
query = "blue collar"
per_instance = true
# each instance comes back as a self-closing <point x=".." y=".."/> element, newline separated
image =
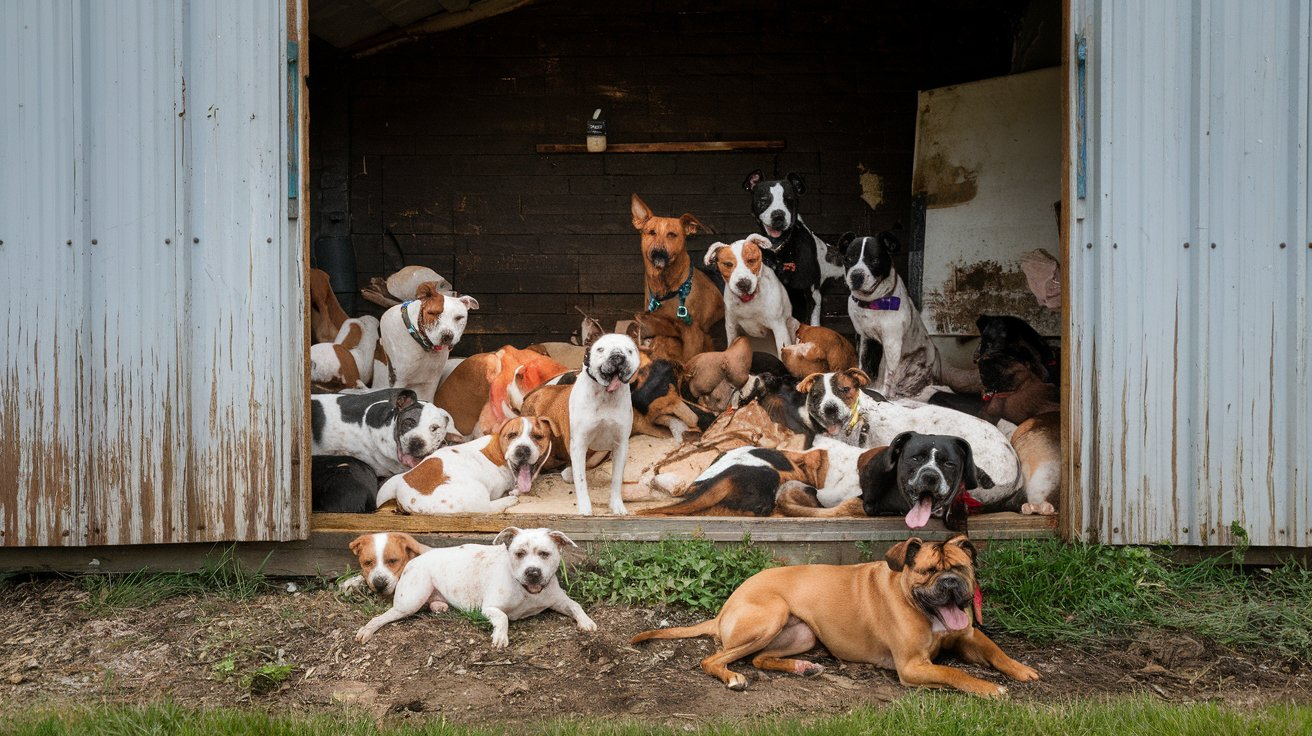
<point x="883" y="303"/>
<point x="682" y="292"/>
<point x="418" y="336"/>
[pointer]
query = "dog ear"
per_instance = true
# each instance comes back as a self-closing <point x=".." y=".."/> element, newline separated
<point x="889" y="242"/>
<point x="845" y="240"/>
<point x="561" y="540"/>
<point x="512" y="531"/>
<point x="427" y="289"/>
<point x="691" y="225"/>
<point x="898" y="444"/>
<point x="552" y="427"/>
<point x="902" y="554"/>
<point x="358" y="543"/>
<point x="753" y="179"/>
<point x="982" y="321"/>
<point x="411" y="546"/>
<point x="469" y="301"/>
<point x="962" y="541"/>
<point x="969" y="474"/>
<point x="454" y="438"/>
<point x="641" y="212"/>
<point x="712" y="251"/>
<point x="404" y="399"/>
<point x="760" y="241"/>
<point x="804" y="385"/>
<point x="858" y="375"/>
<point x="799" y="185"/>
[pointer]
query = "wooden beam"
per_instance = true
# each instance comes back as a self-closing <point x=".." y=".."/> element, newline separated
<point x="678" y="147"/>
<point x="433" y="24"/>
<point x="720" y="529"/>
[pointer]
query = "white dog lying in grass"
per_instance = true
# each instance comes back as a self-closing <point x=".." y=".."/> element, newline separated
<point x="504" y="582"/>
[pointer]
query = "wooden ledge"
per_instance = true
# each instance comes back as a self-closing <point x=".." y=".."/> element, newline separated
<point x="683" y="147"/>
<point x="719" y="529"/>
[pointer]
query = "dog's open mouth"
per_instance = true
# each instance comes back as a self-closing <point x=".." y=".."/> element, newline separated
<point x="918" y="516"/>
<point x="772" y="232"/>
<point x="660" y="258"/>
<point x="744" y="298"/>
<point x="523" y="479"/>
<point x="407" y="459"/>
<point x="832" y="429"/>
<point x="533" y="588"/>
<point x="954" y="618"/>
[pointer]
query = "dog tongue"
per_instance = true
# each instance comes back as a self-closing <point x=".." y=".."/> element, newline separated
<point x="919" y="516"/>
<point x="524" y="479"/>
<point x="832" y="429"/>
<point x="533" y="589"/>
<point x="744" y="298"/>
<point x="773" y="233"/>
<point x="614" y="384"/>
<point x="408" y="460"/>
<point x="953" y="617"/>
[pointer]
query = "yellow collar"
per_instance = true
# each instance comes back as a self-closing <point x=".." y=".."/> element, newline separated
<point x="851" y="425"/>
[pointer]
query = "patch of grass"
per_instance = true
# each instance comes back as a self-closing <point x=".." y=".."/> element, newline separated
<point x="261" y="678"/>
<point x="919" y="714"/>
<point x="222" y="574"/>
<point x="693" y="573"/>
<point x="1050" y="591"/>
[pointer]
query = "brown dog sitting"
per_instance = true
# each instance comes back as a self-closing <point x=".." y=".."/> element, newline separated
<point x="743" y="482"/>
<point x="898" y="614"/>
<point x="818" y="350"/>
<point x="674" y="288"/>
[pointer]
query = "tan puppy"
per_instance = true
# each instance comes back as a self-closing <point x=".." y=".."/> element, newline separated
<point x="899" y="614"/>
<point x="666" y="268"/>
<point x="326" y="313"/>
<point x="818" y="350"/>
<point x="712" y="377"/>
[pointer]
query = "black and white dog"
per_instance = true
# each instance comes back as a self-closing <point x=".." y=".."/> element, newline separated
<point x="391" y="430"/>
<point x="881" y="310"/>
<point x="802" y="260"/>
<point x="919" y="476"/>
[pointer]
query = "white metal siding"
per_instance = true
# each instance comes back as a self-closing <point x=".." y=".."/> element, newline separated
<point x="1190" y="365"/>
<point x="152" y="383"/>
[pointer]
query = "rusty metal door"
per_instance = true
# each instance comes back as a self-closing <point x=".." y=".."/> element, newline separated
<point x="151" y="376"/>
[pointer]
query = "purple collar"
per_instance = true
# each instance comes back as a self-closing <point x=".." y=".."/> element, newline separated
<point x="883" y="303"/>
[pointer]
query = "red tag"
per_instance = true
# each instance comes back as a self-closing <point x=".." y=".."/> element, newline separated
<point x="979" y="606"/>
<point x="972" y="505"/>
<point x="789" y="267"/>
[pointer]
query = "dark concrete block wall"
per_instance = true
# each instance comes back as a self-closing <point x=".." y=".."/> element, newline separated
<point x="433" y="142"/>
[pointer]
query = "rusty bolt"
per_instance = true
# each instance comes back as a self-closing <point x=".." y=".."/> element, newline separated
<point x="1185" y="530"/>
<point x="268" y="240"/>
<point x="68" y="242"/>
<point x="195" y="240"/>
<point x="1186" y="245"/>
<point x="1116" y="530"/>
<point x="1282" y="245"/>
<point x="1114" y="245"/>
<point x="1089" y="246"/>
<point x="1213" y="246"/>
<point x="168" y="241"/>
<point x="94" y="241"/>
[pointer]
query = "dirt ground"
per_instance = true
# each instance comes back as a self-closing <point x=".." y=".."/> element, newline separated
<point x="53" y="650"/>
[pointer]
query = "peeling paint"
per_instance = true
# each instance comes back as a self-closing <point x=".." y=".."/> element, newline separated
<point x="984" y="287"/>
<point x="872" y="187"/>
<point x="944" y="183"/>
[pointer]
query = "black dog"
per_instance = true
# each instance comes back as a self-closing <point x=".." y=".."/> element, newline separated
<point x="1004" y="340"/>
<point x="342" y="485"/>
<point x="919" y="476"/>
<point x="802" y="260"/>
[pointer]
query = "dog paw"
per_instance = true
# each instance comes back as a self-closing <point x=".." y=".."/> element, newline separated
<point x="809" y="669"/>
<point x="1024" y="674"/>
<point x="737" y="682"/>
<point x="363" y="635"/>
<point x="618" y="509"/>
<point x="500" y="640"/>
<point x="438" y="606"/>
<point x="568" y="474"/>
<point x="587" y="624"/>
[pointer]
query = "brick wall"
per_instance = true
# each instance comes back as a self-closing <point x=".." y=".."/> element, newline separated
<point x="436" y="138"/>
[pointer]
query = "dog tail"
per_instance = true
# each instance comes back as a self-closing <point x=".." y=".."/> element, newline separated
<point x="388" y="490"/>
<point x="705" y="628"/>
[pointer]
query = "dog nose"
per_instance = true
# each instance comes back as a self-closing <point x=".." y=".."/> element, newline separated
<point x="520" y="454"/>
<point x="378" y="582"/>
<point x="856" y="280"/>
<point x="953" y="585"/>
<point x="777" y="217"/>
<point x="744" y="285"/>
<point x="447" y="338"/>
<point x="533" y="574"/>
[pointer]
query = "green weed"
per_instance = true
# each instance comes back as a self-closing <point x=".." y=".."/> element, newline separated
<point x="693" y="573"/>
<point x="222" y="574"/>
<point x="1048" y="591"/>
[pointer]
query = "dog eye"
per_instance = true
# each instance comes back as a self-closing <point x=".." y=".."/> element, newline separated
<point x="367" y="563"/>
<point x="651" y="232"/>
<point x="392" y="561"/>
<point x="537" y="435"/>
<point x="520" y="554"/>
<point x="543" y="555"/>
<point x="948" y="464"/>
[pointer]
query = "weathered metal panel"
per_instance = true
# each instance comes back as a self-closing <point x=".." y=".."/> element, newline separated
<point x="1189" y="274"/>
<point x="153" y="371"/>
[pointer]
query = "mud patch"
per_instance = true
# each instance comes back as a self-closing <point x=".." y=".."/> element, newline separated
<point x="985" y="287"/>
<point x="943" y="183"/>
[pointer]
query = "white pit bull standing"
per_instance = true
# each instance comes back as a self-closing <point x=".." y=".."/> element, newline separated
<point x="601" y="415"/>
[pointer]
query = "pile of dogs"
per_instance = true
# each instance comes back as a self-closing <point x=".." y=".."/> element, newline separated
<point x="802" y="430"/>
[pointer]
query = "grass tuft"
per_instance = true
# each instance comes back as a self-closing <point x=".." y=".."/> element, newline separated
<point x="918" y="714"/>
<point x="222" y="574"/>
<point x="1047" y="590"/>
<point x="693" y="573"/>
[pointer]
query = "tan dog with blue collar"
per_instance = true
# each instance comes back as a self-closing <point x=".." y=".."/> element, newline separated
<point x="675" y="289"/>
<point x="418" y="336"/>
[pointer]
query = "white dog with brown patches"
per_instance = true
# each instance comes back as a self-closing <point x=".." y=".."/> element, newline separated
<point x="503" y="582"/>
<point x="418" y="336"/>
<point x="601" y="416"/>
<point x="474" y="477"/>
<point x="382" y="558"/>
<point x="347" y="361"/>
<point x="755" y="302"/>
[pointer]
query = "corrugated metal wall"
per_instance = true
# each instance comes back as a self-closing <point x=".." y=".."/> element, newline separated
<point x="1189" y="273"/>
<point x="152" y="384"/>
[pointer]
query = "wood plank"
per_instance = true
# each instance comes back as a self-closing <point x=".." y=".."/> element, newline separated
<point x="726" y="529"/>
<point x="669" y="147"/>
